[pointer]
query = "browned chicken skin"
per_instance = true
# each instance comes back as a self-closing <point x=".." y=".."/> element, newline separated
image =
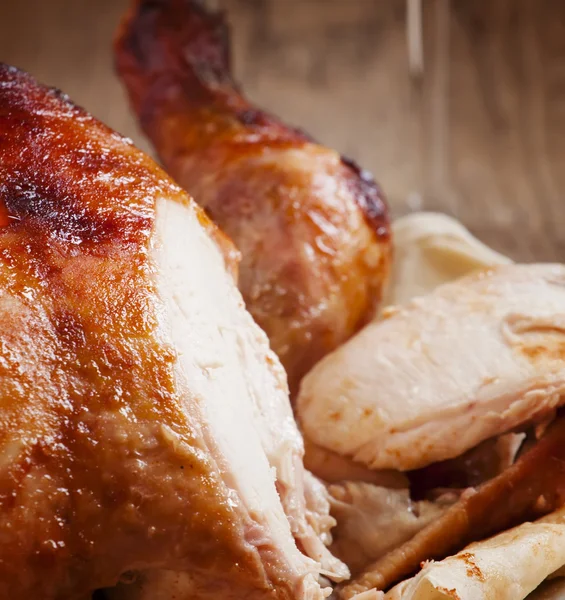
<point x="311" y="226"/>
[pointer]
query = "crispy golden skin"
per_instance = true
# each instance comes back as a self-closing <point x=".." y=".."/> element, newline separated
<point x="103" y="468"/>
<point x="312" y="227"/>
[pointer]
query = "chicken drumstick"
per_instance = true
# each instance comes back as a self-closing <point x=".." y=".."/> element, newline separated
<point x="312" y="227"/>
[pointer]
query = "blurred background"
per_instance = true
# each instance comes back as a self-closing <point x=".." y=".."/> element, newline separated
<point x="480" y="134"/>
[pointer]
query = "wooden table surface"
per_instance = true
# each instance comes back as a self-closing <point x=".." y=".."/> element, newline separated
<point x="481" y="137"/>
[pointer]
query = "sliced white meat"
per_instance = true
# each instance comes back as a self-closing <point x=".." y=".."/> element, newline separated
<point x="474" y="359"/>
<point x="225" y="361"/>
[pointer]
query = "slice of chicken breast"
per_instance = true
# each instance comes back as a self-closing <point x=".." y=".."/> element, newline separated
<point x="474" y="359"/>
<point x="429" y="249"/>
<point x="224" y="355"/>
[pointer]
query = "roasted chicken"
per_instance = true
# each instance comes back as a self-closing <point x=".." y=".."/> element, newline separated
<point x="145" y="422"/>
<point x="311" y="226"/>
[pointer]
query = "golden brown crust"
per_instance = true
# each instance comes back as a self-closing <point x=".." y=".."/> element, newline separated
<point x="72" y="178"/>
<point x="102" y="468"/>
<point x="312" y="227"/>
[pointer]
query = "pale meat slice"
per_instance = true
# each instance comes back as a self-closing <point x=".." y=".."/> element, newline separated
<point x="507" y="567"/>
<point x="474" y="359"/>
<point x="228" y="357"/>
<point x="429" y="249"/>
<point x="145" y="422"/>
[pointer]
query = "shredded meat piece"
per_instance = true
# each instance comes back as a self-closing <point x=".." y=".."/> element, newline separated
<point x="373" y="520"/>
<point x="535" y="483"/>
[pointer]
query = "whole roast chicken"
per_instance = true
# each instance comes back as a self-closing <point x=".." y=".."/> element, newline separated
<point x="145" y="423"/>
<point x="311" y="226"/>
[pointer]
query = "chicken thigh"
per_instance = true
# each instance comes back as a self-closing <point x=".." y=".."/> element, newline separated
<point x="312" y="227"/>
<point x="145" y="422"/>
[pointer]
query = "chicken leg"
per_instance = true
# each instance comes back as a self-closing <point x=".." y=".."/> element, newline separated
<point x="312" y="227"/>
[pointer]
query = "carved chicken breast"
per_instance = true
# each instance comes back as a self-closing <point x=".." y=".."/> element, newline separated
<point x="145" y="423"/>
<point x="312" y="227"/>
<point x="472" y="360"/>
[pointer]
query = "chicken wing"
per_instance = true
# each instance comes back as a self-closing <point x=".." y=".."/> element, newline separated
<point x="145" y="422"/>
<point x="312" y="227"/>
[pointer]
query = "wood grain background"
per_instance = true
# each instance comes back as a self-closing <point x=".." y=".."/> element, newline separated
<point x="481" y="137"/>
